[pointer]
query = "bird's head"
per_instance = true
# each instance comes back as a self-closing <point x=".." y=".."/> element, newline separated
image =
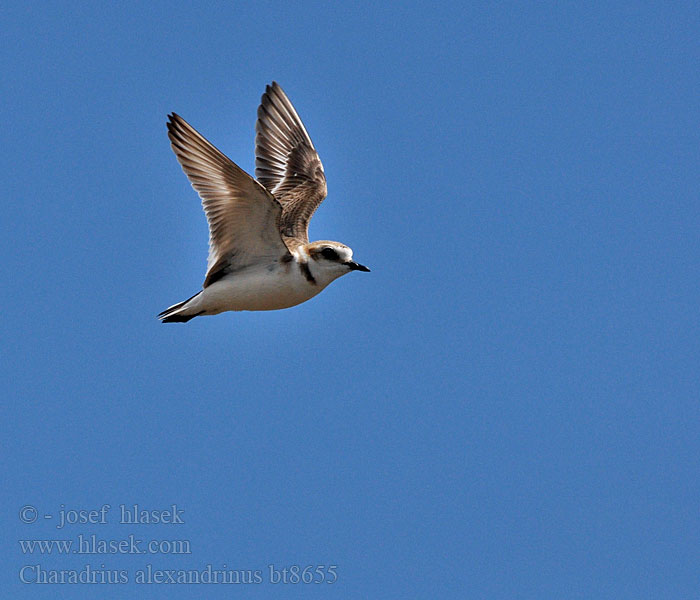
<point x="330" y="260"/>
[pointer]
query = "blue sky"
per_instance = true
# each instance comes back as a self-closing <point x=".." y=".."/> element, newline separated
<point x="506" y="407"/>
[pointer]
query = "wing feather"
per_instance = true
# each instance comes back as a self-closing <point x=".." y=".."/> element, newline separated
<point x="287" y="163"/>
<point x="244" y="218"/>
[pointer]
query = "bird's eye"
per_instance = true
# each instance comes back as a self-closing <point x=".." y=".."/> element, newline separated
<point x="329" y="253"/>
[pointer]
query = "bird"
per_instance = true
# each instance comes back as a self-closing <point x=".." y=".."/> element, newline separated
<point x="260" y="257"/>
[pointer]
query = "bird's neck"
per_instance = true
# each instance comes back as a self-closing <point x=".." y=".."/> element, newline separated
<point x="314" y="274"/>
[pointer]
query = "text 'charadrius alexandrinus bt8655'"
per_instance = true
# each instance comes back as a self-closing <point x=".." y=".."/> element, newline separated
<point x="260" y="257"/>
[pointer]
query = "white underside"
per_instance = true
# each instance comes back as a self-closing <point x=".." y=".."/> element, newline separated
<point x="255" y="289"/>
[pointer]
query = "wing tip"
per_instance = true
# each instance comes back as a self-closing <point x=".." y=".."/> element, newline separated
<point x="174" y="123"/>
<point x="273" y="90"/>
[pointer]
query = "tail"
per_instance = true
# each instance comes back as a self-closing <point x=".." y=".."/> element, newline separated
<point x="179" y="313"/>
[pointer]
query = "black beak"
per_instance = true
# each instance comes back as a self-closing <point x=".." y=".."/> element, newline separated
<point x="356" y="266"/>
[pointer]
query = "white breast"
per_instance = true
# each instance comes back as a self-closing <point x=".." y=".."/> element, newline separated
<point x="259" y="288"/>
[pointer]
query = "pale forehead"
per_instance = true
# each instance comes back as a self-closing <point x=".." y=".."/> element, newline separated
<point x="318" y="246"/>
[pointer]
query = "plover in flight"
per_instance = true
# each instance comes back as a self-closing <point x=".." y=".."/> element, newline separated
<point x="260" y="257"/>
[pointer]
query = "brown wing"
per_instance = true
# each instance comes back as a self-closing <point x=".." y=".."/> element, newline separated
<point x="244" y="218"/>
<point x="287" y="163"/>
